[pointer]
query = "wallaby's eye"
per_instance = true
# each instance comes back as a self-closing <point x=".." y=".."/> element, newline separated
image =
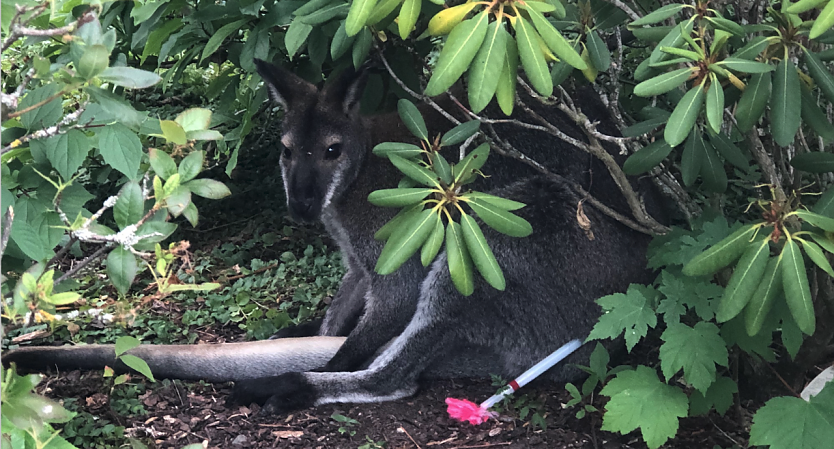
<point x="333" y="152"/>
<point x="287" y="153"/>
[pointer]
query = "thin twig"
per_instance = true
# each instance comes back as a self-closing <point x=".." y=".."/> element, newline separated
<point x="402" y="429"/>
<point x="84" y="263"/>
<point x="61" y="252"/>
<point x="630" y="12"/>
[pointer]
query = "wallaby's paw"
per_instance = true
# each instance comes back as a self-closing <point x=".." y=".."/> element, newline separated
<point x="308" y="329"/>
<point x="278" y="394"/>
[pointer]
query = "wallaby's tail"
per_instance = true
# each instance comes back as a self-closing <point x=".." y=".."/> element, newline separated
<point x="211" y="362"/>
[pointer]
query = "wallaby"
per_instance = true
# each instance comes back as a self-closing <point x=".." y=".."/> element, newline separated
<point x="413" y="324"/>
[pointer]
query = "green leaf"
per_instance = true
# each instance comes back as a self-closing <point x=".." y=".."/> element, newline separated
<point x="785" y="114"/>
<point x="190" y="166"/>
<point x="792" y="423"/>
<point x="137" y="365"/>
<point x="485" y="71"/>
<point x="433" y="243"/>
<point x="413" y="119"/>
<point x="532" y="58"/>
<point x="221" y="34"/>
<point x="646" y="158"/>
<point x="460" y="49"/>
<point x="729" y="26"/>
<point x="121" y="149"/>
<point x="126" y="343"/>
<point x="673" y="39"/>
<point x="93" y="61"/>
<point x="746" y="66"/>
<point x="598" y="51"/>
<point x="817" y="256"/>
<point x="825" y="204"/>
<point x="361" y="47"/>
<point x="173" y="132"/>
<point x="403" y="216"/>
<point x="729" y="151"/>
<point x="692" y="158"/>
<point x="560" y="72"/>
<point x="814" y="117"/>
<point x="447" y="19"/>
<point x="311" y="6"/>
<point x="471" y="163"/>
<point x="121" y="268"/>
<point x="321" y="15"/>
<point x="803" y="5"/>
<point x="557" y="43"/>
<point x="797" y="289"/>
<point x="663" y="83"/>
<point x="161" y="34"/>
<point x="501" y="220"/>
<point x="824" y="223"/>
<point x="460" y="133"/>
<point x="45" y="115"/>
<point x="130" y="207"/>
<point x="820" y="73"/>
<point x="719" y="395"/>
<point x="404" y="150"/>
<point x="497" y="201"/>
<point x="296" y="36"/>
<point x="659" y="15"/>
<point x="398" y="197"/>
<point x="409" y="14"/>
<point x="415" y="171"/>
<point x="629" y="312"/>
<point x="683" y="117"/>
<point x="62" y="299"/>
<point x="640" y="399"/>
<point x="360" y="10"/>
<point x="481" y="253"/>
<point x="722" y="253"/>
<point x="695" y="350"/>
<point x="752" y="49"/>
<point x="383" y="9"/>
<point x="460" y="263"/>
<point x="341" y="42"/>
<point x="178" y="200"/>
<point x="762" y="299"/>
<point x="194" y="119"/>
<point x="162" y="164"/>
<point x="824" y="21"/>
<point x="746" y="277"/>
<point x="208" y="188"/>
<point x="405" y="241"/>
<point x="442" y="168"/>
<point x="715" y="104"/>
<point x="129" y="77"/>
<point x="752" y="103"/>
<point x="505" y="91"/>
<point x="712" y="168"/>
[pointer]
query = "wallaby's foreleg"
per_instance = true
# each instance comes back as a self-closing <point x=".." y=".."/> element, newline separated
<point x="347" y="305"/>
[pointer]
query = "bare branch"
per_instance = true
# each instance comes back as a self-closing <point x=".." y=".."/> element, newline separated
<point x="630" y="12"/>
<point x="8" y="218"/>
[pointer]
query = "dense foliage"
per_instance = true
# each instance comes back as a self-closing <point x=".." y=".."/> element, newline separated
<point x="726" y="106"/>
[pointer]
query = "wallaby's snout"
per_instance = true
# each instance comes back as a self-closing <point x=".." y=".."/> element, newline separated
<point x="304" y="199"/>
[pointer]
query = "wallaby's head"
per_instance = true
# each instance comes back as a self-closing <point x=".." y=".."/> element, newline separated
<point x="323" y="137"/>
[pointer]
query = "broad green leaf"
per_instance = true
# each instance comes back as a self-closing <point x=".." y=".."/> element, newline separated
<point x="640" y="400"/>
<point x="746" y="277"/>
<point x="785" y="114"/>
<point x="398" y="197"/>
<point x="762" y="299"/>
<point x="62" y="299"/>
<point x="341" y="43"/>
<point x="126" y="343"/>
<point x="481" y="253"/>
<point x="600" y="56"/>
<point x="121" y="268"/>
<point x="792" y="423"/>
<point x="311" y="6"/>
<point x="532" y="58"/>
<point x="803" y="5"/>
<point x="817" y="256"/>
<point x="715" y="104"/>
<point x="696" y="350"/>
<point x="692" y="158"/>
<point x="129" y="77"/>
<point x="815" y="117"/>
<point x="405" y="241"/>
<point x="653" y="34"/>
<point x="404" y="150"/>
<point x="659" y="15"/>
<point x="673" y="39"/>
<point x="441" y="166"/>
<point x="821" y="74"/>
<point x="558" y="44"/>
<point x="746" y="66"/>
<point x="824" y="223"/>
<point x="712" y="169"/>
<point x="137" y="365"/>
<point x="505" y="91"/>
<point x="226" y="30"/>
<point x="121" y="149"/>
<point x="719" y="396"/>
<point x="797" y="288"/>
<point x="460" y="133"/>
<point x="752" y="103"/>
<point x="296" y="36"/>
<point x="326" y="13"/>
<point x="501" y="220"/>
<point x="447" y="19"/>
<point x="194" y="119"/>
<point x="646" y="126"/>
<point x="413" y="119"/>
<point x="814" y="162"/>
<point x="471" y="163"/>
<point x="683" y="117"/>
<point x="560" y="72"/>
<point x="173" y="132"/>
<point x="45" y="115"/>
<point x="825" y="204"/>
<point x="485" y="71"/>
<point x="460" y="263"/>
<point x="190" y="213"/>
<point x="93" y="61"/>
<point x="178" y="200"/>
<point x="433" y="243"/>
<point x="191" y="166"/>
<point x="646" y="158"/>
<point x="162" y="164"/>
<point x="663" y="83"/>
<point x="415" y="171"/>
<point x="497" y="201"/>
<point x="382" y="10"/>
<point x="752" y="49"/>
<point x="68" y="152"/>
<point x="729" y="151"/>
<point x="409" y="14"/>
<point x="403" y="216"/>
<point x="722" y="253"/>
<point x="130" y="207"/>
<point x="630" y="313"/>
<point x="360" y="10"/>
<point x="460" y="49"/>
<point x="361" y="47"/>
<point x="208" y="188"/>
<point x="158" y="37"/>
<point x="824" y="21"/>
<point x="729" y="26"/>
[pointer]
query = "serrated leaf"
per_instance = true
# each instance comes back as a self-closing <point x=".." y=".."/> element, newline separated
<point x="683" y="117"/>
<point x="695" y="350"/>
<point x="762" y="299"/>
<point x="481" y="253"/>
<point x="722" y="253"/>
<point x="719" y="396"/>
<point x="663" y="83"/>
<point x="646" y="158"/>
<point x="501" y="220"/>
<point x="823" y="22"/>
<point x="208" y="188"/>
<point x="137" y="365"/>
<point x="45" y="115"/>
<point x="715" y="105"/>
<point x="746" y="277"/>
<point x="190" y="166"/>
<point x="432" y="245"/>
<point x="791" y="422"/>
<point x="659" y="15"/>
<point x="460" y="263"/>
<point x="640" y="400"/>
<point x="398" y="197"/>
<point x="460" y="49"/>
<point x="405" y="241"/>
<point x="447" y="19"/>
<point x="822" y="222"/>
<point x="752" y="103"/>
<point x="485" y="71"/>
<point x="130" y="207"/>
<point x="460" y="133"/>
<point x="497" y="201"/>
<point x="412" y="119"/>
<point x="628" y="312"/>
<point x="358" y="15"/>
<point x="121" y="149"/>
<point x="532" y="58"/>
<point x="557" y="43"/>
<point x="797" y="289"/>
<point x="129" y="77"/>
<point x="712" y="168"/>
<point x="121" y="268"/>
<point x="505" y="91"/>
<point x="785" y="103"/>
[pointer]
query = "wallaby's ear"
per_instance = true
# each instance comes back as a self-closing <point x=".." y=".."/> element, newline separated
<point x="284" y="86"/>
<point x="345" y="90"/>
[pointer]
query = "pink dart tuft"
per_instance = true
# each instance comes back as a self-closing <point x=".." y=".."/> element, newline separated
<point x="463" y="410"/>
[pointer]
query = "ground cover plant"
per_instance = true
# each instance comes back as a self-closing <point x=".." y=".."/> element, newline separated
<point x="120" y="118"/>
